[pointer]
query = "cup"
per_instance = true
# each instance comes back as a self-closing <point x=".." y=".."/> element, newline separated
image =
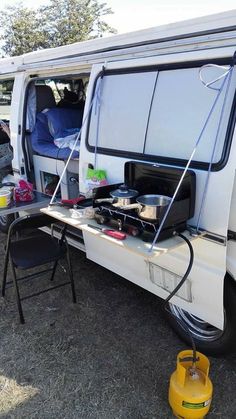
<point x="5" y="197"/>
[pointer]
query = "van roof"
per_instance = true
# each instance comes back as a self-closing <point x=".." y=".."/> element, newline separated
<point x="206" y="25"/>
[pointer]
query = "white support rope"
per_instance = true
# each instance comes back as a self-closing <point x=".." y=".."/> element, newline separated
<point x="227" y="76"/>
<point x="97" y="112"/>
<point x="209" y="84"/>
<point x="94" y="100"/>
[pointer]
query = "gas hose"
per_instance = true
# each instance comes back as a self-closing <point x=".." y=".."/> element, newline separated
<point x="176" y="289"/>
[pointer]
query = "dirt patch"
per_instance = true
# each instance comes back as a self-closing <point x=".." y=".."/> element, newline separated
<point x="108" y="356"/>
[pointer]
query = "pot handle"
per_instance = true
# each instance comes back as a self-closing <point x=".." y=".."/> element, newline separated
<point x="99" y="200"/>
<point x="131" y="206"/>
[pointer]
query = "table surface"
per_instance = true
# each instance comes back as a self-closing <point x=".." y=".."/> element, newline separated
<point x="40" y="200"/>
<point x="134" y="244"/>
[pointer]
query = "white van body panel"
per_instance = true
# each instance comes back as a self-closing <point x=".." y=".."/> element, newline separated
<point x="201" y="295"/>
<point x="201" y="33"/>
<point x="15" y="120"/>
<point x="164" y="33"/>
<point x="207" y="276"/>
<point x="10" y="65"/>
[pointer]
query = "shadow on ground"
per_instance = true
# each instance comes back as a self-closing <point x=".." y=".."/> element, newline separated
<point x="108" y="356"/>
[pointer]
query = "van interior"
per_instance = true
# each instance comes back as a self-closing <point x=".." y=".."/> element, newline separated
<point x="53" y="118"/>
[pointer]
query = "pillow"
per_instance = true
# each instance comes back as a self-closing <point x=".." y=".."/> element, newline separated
<point x="60" y="119"/>
<point x="42" y="141"/>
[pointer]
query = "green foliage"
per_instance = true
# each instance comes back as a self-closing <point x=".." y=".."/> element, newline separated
<point x="20" y="31"/>
<point x="61" y="22"/>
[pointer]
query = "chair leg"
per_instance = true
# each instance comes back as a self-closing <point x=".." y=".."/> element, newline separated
<point x="54" y="270"/>
<point x="71" y="276"/>
<point x="22" y="320"/>
<point x="4" y="279"/>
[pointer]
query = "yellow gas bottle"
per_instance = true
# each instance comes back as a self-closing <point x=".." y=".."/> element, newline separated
<point x="190" y="390"/>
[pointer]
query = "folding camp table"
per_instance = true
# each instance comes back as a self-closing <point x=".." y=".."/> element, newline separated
<point x="40" y="201"/>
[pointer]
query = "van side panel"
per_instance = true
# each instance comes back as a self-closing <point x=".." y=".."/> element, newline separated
<point x="207" y="276"/>
<point x="202" y="293"/>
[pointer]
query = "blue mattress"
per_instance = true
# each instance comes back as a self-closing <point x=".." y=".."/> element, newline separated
<point x="43" y="142"/>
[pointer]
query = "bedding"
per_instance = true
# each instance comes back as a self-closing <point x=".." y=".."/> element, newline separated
<point x="47" y="123"/>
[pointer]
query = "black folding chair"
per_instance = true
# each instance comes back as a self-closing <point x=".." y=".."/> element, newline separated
<point x="32" y="251"/>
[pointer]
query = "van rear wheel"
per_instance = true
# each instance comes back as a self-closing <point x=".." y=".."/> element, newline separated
<point x="208" y="338"/>
<point x="5" y="222"/>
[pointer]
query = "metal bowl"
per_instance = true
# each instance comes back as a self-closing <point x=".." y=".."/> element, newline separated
<point x="152" y="206"/>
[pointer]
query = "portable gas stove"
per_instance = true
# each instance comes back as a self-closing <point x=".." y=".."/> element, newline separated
<point x="129" y="222"/>
<point x="148" y="179"/>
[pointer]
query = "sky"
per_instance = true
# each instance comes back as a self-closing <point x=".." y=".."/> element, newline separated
<point x="131" y="15"/>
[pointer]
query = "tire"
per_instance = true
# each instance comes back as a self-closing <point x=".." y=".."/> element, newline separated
<point x="209" y="339"/>
<point x="5" y="222"/>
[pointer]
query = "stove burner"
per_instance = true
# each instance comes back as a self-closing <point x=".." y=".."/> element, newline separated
<point x="129" y="221"/>
<point x="128" y="215"/>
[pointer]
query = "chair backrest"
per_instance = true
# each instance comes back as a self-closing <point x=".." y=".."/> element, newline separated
<point x="30" y="222"/>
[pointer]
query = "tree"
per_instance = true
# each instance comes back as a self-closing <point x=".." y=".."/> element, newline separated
<point x="61" y="22"/>
<point x="20" y="30"/>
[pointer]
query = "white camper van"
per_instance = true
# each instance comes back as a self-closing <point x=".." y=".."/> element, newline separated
<point x="157" y="111"/>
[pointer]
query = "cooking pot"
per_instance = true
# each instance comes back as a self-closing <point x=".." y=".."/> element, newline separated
<point x="123" y="195"/>
<point x="150" y="207"/>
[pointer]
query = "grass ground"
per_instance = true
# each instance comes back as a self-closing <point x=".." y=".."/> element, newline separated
<point x="108" y="356"/>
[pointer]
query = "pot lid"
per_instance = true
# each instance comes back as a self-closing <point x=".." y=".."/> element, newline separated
<point x="124" y="192"/>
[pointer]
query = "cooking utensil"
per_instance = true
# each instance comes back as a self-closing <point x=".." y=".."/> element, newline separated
<point x="88" y="212"/>
<point x="112" y="233"/>
<point x="101" y="200"/>
<point x="123" y="195"/>
<point x="150" y="207"/>
<point x="73" y="201"/>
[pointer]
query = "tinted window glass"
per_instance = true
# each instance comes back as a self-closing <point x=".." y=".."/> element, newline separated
<point x="180" y="107"/>
<point x="125" y="105"/>
<point x="6" y="87"/>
